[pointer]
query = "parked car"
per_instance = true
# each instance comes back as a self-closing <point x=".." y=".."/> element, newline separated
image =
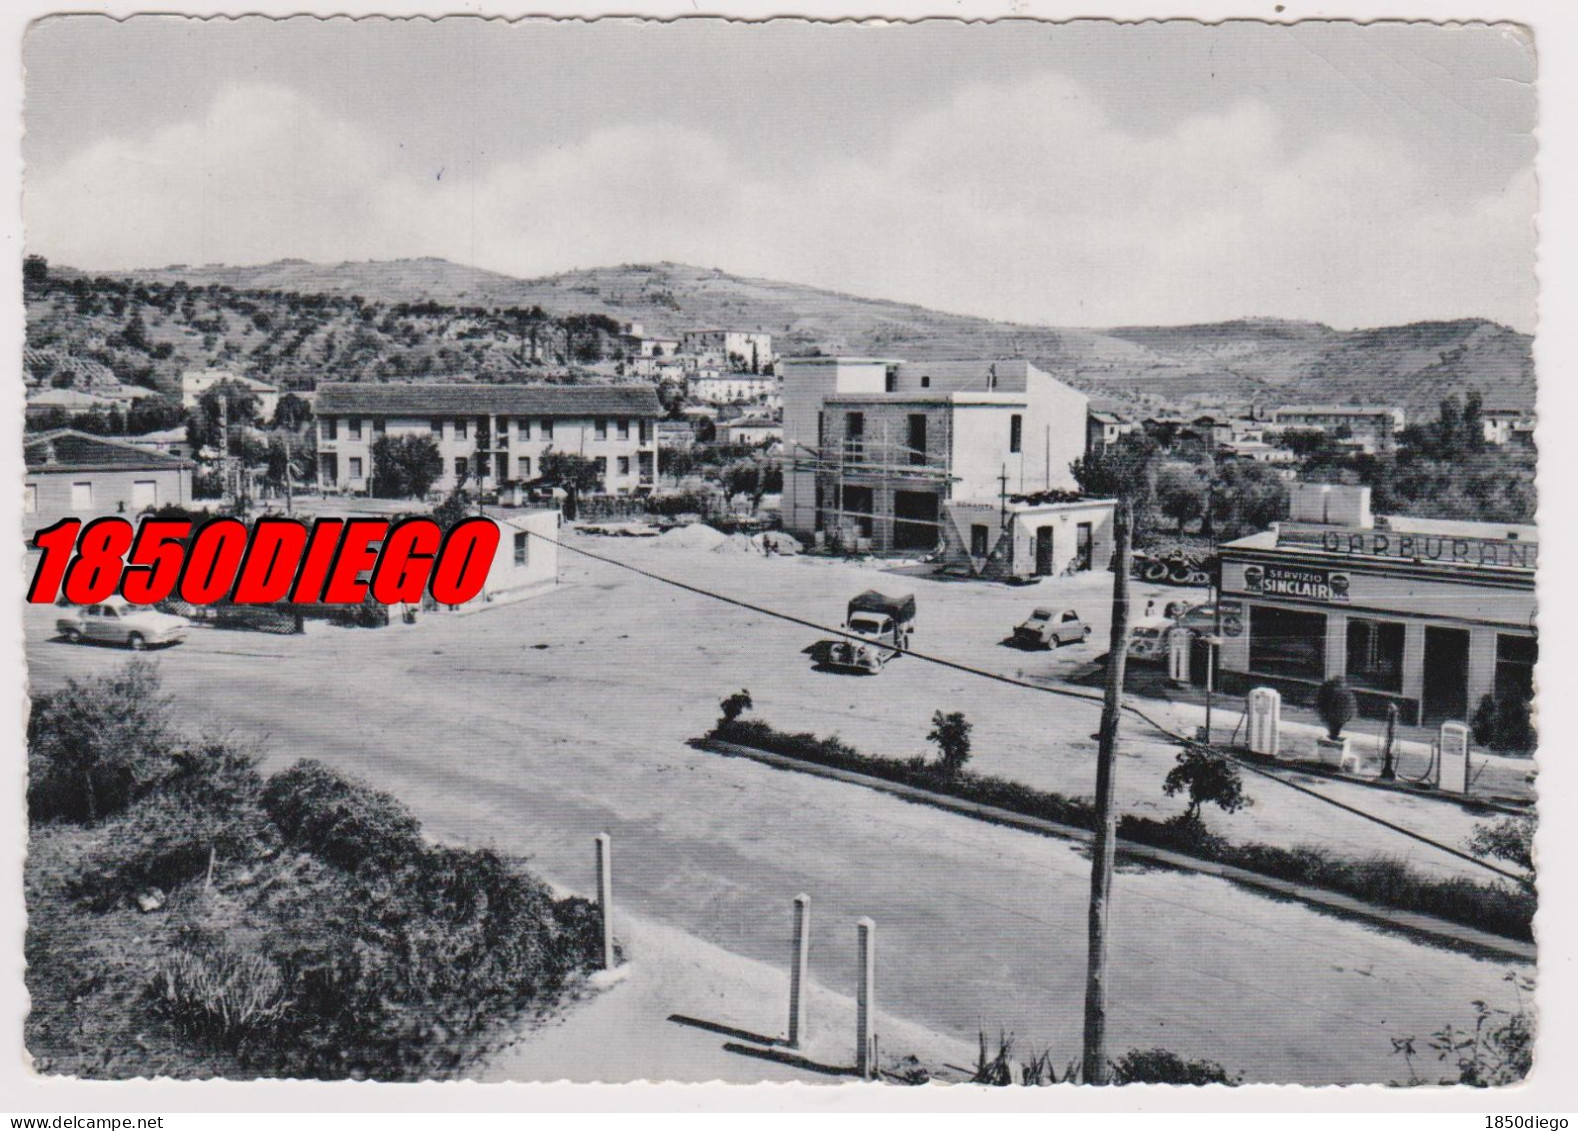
<point x="1200" y="619"/>
<point x="118" y="621"/>
<point x="1148" y="638"/>
<point x="1050" y="628"/>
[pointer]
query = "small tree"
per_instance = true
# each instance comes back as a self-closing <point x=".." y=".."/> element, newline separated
<point x="951" y="733"/>
<point x="576" y="474"/>
<point x="1510" y="839"/>
<point x="1209" y="779"/>
<point x="405" y="466"/>
<point x="1336" y="705"/>
<point x="735" y="705"/>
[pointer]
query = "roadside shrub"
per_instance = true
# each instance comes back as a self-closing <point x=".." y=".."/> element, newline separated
<point x="951" y="734"/>
<point x="1209" y="779"/>
<point x="1159" y="1066"/>
<point x="1504" y="724"/>
<point x="1510" y="839"/>
<point x="1493" y="907"/>
<point x="218" y="992"/>
<point x="735" y="705"/>
<point x="96" y="745"/>
<point x="1496" y="1052"/>
<point x="344" y="821"/>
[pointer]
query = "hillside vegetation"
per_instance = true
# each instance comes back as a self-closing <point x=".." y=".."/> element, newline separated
<point x="295" y="322"/>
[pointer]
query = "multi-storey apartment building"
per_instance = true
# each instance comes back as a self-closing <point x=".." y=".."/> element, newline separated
<point x="875" y="447"/>
<point x="490" y="435"/>
<point x="1373" y="427"/>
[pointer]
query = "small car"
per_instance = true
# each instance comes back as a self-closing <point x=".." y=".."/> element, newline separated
<point x="1148" y="638"/>
<point x="1201" y="619"/>
<point x="1048" y="628"/>
<point x="118" y="621"/>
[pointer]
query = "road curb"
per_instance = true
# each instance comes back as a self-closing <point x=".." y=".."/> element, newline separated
<point x="1411" y="921"/>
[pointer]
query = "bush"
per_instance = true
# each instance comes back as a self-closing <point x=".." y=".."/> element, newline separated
<point x="1510" y="839"/>
<point x="951" y="733"/>
<point x="1159" y="1066"/>
<point x="218" y="992"/>
<point x="1336" y="705"/>
<point x="97" y="745"/>
<point x="345" y="822"/>
<point x="1381" y="880"/>
<point x="1504" y="724"/>
<point x="735" y="705"/>
<point x="1209" y="779"/>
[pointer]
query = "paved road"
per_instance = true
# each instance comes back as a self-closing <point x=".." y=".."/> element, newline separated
<point x="534" y="726"/>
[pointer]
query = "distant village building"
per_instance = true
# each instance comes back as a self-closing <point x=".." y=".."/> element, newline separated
<point x="676" y="433"/>
<point x="44" y="402"/>
<point x="638" y="343"/>
<point x="754" y="430"/>
<point x="196" y="382"/>
<point x="1256" y="451"/>
<point x="1372" y="428"/>
<point x="1429" y="615"/>
<point x="1103" y="429"/>
<point x="875" y="447"/>
<point x="733" y="388"/>
<point x="71" y="474"/>
<point x="744" y="351"/>
<point x="167" y="441"/>
<point x="490" y="435"/>
<point x="1507" y="424"/>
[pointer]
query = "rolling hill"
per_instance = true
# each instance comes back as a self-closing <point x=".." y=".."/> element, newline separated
<point x="1263" y="361"/>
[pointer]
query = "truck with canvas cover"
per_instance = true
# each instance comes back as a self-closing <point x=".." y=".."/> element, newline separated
<point x="884" y="625"/>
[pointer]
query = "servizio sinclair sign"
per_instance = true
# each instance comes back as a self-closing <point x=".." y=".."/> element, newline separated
<point x="1326" y="585"/>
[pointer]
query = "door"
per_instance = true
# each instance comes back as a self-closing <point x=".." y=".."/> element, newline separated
<point x="915" y="525"/>
<point x="145" y="495"/>
<point x="1043" y="551"/>
<point x="1445" y="674"/>
<point x="1082" y="546"/>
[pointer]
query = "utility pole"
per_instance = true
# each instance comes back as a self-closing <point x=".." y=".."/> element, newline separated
<point x="289" y="469"/>
<point x="1104" y="847"/>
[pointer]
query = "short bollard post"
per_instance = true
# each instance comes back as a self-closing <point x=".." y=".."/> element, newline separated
<point x="800" y="968"/>
<point x="605" y="897"/>
<point x="865" y="999"/>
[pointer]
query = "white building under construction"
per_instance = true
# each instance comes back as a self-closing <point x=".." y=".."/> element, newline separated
<point x="875" y="448"/>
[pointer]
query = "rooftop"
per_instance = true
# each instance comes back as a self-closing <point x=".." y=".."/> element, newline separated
<point x="456" y="398"/>
<point x="66" y="449"/>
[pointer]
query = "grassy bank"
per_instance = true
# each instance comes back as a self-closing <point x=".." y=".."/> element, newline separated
<point x="188" y="917"/>
<point x="1381" y="880"/>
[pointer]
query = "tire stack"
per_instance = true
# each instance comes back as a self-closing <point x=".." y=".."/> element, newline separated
<point x="1177" y="566"/>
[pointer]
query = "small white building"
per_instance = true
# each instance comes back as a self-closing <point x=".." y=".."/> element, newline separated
<point x="753" y="430"/>
<point x="1027" y="539"/>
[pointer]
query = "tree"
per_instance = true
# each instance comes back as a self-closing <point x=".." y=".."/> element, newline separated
<point x="1124" y="470"/>
<point x="951" y="734"/>
<point x="575" y="474"/>
<point x="292" y="412"/>
<point x="677" y="463"/>
<point x="154" y="414"/>
<point x="1510" y="839"/>
<point x="1245" y="497"/>
<point x="405" y="467"/>
<point x="1209" y="779"/>
<point x="735" y="705"/>
<point x="35" y="271"/>
<point x="1180" y="494"/>
<point x="94" y="747"/>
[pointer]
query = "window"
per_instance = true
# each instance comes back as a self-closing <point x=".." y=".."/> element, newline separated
<point x="601" y="425"/>
<point x="353" y="427"/>
<point x="925" y="382"/>
<point x="1287" y="643"/>
<point x="1016" y="432"/>
<point x="821" y="430"/>
<point x="1515" y="660"/>
<point x="602" y="467"/>
<point x="331" y="428"/>
<point x="624" y="465"/>
<point x="854" y="434"/>
<point x="521" y="552"/>
<point x="547" y="428"/>
<point x="523" y="429"/>
<point x="1375" y="654"/>
<point x="379" y="425"/>
<point x="524" y="464"/>
<point x="82" y="496"/>
<point x="624" y="429"/>
<point x="917" y="444"/>
<point x="460" y="429"/>
<point x="356" y="467"/>
<point x="501" y="466"/>
<point x="859" y="503"/>
<point x="461" y="464"/>
<point x="644" y="433"/>
<point x="436" y="427"/>
<point x="890" y="382"/>
<point x="979" y="533"/>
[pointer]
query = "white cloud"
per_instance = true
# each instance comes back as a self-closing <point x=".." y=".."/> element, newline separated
<point x="1021" y="200"/>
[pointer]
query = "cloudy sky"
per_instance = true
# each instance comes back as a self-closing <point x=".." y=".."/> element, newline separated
<point x="1087" y="174"/>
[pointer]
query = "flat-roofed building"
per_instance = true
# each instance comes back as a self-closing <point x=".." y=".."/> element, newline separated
<point x="1373" y="428"/>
